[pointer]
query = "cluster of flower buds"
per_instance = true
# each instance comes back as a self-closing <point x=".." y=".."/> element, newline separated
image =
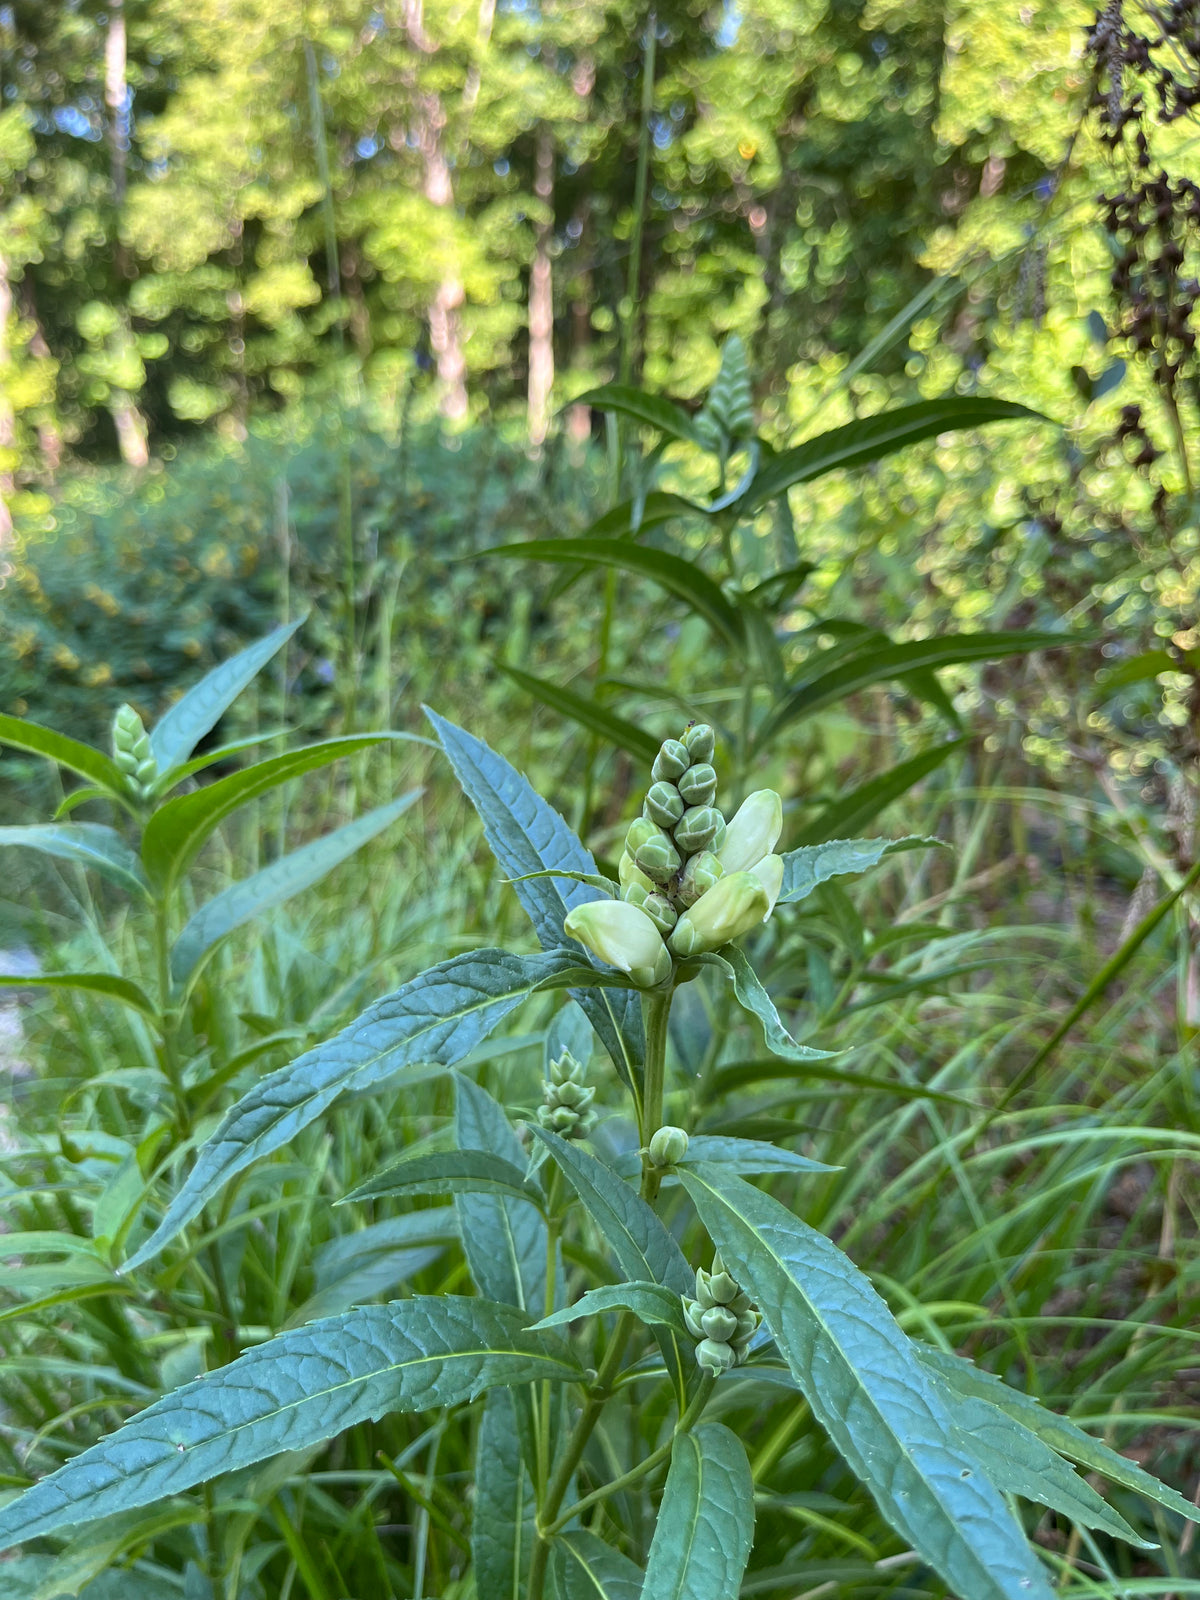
<point x="132" y="752"/>
<point x="722" y="1318"/>
<point x="690" y="882"/>
<point x="566" y="1107"/>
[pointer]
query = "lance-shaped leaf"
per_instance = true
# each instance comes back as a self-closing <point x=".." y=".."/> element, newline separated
<point x="177" y="830"/>
<point x="671" y="572"/>
<point x="706" y="1520"/>
<point x="655" y="410"/>
<point x="872" y="438"/>
<point x="814" y="864"/>
<point x="863" y="805"/>
<point x="1062" y="1435"/>
<point x="298" y="870"/>
<point x="504" y="1237"/>
<point x="527" y="836"/>
<point x="747" y="1155"/>
<point x="91" y="844"/>
<point x="177" y="734"/>
<point x="503" y="1527"/>
<point x="588" y="714"/>
<point x="751" y="995"/>
<point x="878" y="665"/>
<point x="103" y="983"/>
<point x="649" y="1302"/>
<point x="70" y="753"/>
<point x="583" y="1567"/>
<point x="289" y="1394"/>
<point x="209" y="758"/>
<point x="450" y="1172"/>
<point x="628" y="518"/>
<point x="868" y="1389"/>
<point x="435" y="1019"/>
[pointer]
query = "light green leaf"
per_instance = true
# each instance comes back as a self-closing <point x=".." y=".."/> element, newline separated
<point x="298" y="870"/>
<point x="583" y="1567"/>
<point x="624" y="520"/>
<point x="747" y="1155"/>
<point x="91" y="844"/>
<point x="209" y="758"/>
<point x="751" y="995"/>
<point x="863" y="805"/>
<point x="450" y="1172"/>
<point x="177" y="830"/>
<point x="104" y="983"/>
<point x="649" y="1302"/>
<point x="177" y="734"/>
<point x="671" y="572"/>
<point x="503" y="1526"/>
<point x="81" y="758"/>
<point x="526" y="835"/>
<point x="867" y="1387"/>
<point x="706" y="1521"/>
<point x="21" y="1579"/>
<point x="588" y="714"/>
<point x="1062" y="1435"/>
<point x="815" y="864"/>
<point x="504" y="1237"/>
<point x="292" y="1392"/>
<point x="872" y="438"/>
<point x="435" y="1019"/>
<point x="652" y="409"/>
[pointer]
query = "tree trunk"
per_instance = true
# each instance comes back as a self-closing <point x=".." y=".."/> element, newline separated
<point x="541" y="295"/>
<point x="50" y="441"/>
<point x="131" y="427"/>
<point x="8" y="421"/>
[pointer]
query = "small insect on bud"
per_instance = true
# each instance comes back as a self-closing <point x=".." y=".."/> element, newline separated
<point x="667" y="1146"/>
<point x="697" y="828"/>
<point x="715" y="1358"/>
<point x="698" y="786"/>
<point x="671" y="762"/>
<point x="700" y="741"/>
<point x="664" y="805"/>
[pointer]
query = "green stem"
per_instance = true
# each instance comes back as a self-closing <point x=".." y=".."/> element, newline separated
<point x="656" y="1015"/>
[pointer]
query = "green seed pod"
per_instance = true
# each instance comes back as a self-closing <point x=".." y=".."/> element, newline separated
<point x="661" y="912"/>
<point x="640" y="830"/>
<point x="715" y="1358"/>
<point x="719" y="1324"/>
<point x="696" y="830"/>
<point x="671" y="762"/>
<point x="700" y="741"/>
<point x="667" y="1146"/>
<point x="698" y="786"/>
<point x="700" y="873"/>
<point x="664" y="805"/>
<point x="658" y="858"/>
<point x="692" y="1312"/>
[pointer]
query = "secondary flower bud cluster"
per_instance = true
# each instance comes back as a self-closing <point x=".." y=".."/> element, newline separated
<point x="722" y="1318"/>
<point x="690" y="882"/>
<point x="566" y="1107"/>
<point x="132" y="752"/>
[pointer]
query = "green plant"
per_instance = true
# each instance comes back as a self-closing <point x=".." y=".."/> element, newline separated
<point x="938" y="1443"/>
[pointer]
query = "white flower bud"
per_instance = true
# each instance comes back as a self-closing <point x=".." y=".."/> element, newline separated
<point x="624" y="937"/>
<point x="667" y="1146"/>
<point x="753" y="833"/>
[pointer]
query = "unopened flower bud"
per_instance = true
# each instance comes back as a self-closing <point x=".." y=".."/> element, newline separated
<point x="639" y="831"/>
<point x="566" y="1069"/>
<point x="719" y="1323"/>
<point x="664" y="805"/>
<point x="715" y="1358"/>
<point x="667" y="1146"/>
<point x="698" y="786"/>
<point x="701" y="742"/>
<point x="754" y="831"/>
<point x="661" y="912"/>
<point x="624" y="937"/>
<point x="719" y="1289"/>
<point x="697" y="828"/>
<point x="630" y="874"/>
<point x="734" y="905"/>
<point x="747" y="1326"/>
<point x="692" y="1312"/>
<point x="131" y="747"/>
<point x="671" y="762"/>
<point x="699" y="875"/>
<point x="658" y="857"/>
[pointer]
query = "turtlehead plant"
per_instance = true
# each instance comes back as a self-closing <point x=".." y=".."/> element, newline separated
<point x="607" y="1383"/>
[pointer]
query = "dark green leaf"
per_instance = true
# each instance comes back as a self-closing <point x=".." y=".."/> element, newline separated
<point x="583" y="1567"/>
<point x="751" y="995"/>
<point x="747" y="1155"/>
<point x="706" y="1521"/>
<point x="177" y="734"/>
<point x="209" y="758"/>
<point x="658" y="508"/>
<point x="863" y="805"/>
<point x="652" y="409"/>
<point x="504" y="1238"/>
<point x="588" y="714"/>
<point x="649" y="1302"/>
<point x="449" y="1172"/>
<point x="872" y="438"/>
<point x="177" y="830"/>
<point x="91" y="844"/>
<point x="298" y="870"/>
<point x="288" y="1394"/>
<point x="435" y="1019"/>
<point x="1136" y="669"/>
<point x="503" y="1526"/>
<point x="742" y="1073"/>
<point x="671" y="572"/>
<point x="105" y="983"/>
<point x="814" y="864"/>
<point x="867" y="1387"/>
<point x="81" y="758"/>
